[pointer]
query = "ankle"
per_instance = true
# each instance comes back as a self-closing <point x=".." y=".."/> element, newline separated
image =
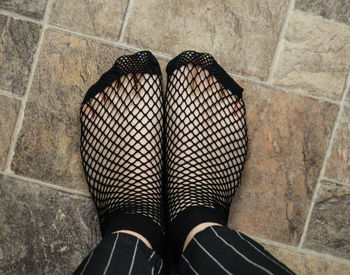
<point x="135" y="234"/>
<point x="137" y="225"/>
<point x="189" y="219"/>
<point x="197" y="229"/>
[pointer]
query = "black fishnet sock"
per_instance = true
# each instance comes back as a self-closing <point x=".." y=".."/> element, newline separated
<point x="121" y="137"/>
<point x="206" y="143"/>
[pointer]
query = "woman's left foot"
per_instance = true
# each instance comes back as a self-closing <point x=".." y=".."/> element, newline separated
<point x="206" y="142"/>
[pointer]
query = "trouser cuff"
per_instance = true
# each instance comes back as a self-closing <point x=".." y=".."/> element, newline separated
<point x="186" y="220"/>
<point x="139" y="224"/>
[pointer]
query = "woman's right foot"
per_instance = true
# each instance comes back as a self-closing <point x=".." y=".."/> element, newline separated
<point x="121" y="146"/>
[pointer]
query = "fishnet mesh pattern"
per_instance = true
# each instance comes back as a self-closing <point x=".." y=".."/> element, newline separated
<point x="206" y="135"/>
<point x="121" y="138"/>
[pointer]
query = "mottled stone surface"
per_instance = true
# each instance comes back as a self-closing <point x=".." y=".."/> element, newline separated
<point x="43" y="231"/>
<point x="307" y="264"/>
<point x="48" y="144"/>
<point x="329" y="228"/>
<point x="9" y="108"/>
<point x="102" y="18"/>
<point x="288" y="136"/>
<point x="242" y="35"/>
<point x="314" y="57"/>
<point x="31" y="8"/>
<point x="163" y="64"/>
<point x="17" y="46"/>
<point x="338" y="10"/>
<point x="338" y="165"/>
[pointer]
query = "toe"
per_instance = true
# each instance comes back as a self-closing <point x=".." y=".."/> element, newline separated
<point x="101" y="117"/>
<point x="110" y="91"/>
<point x="238" y="107"/>
<point x="149" y="86"/>
<point x="111" y="98"/>
<point x="122" y="97"/>
<point x="143" y="83"/>
<point x="205" y="78"/>
<point x="127" y="84"/>
<point x="189" y="72"/>
<point x="184" y="76"/>
<point x="139" y="80"/>
<point x="97" y="103"/>
<point x="87" y="113"/>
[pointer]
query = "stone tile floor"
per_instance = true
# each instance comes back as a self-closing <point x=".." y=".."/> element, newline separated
<point x="291" y="57"/>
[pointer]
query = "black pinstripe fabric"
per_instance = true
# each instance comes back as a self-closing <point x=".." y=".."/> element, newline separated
<point x="121" y="254"/>
<point x="219" y="250"/>
<point x="215" y="250"/>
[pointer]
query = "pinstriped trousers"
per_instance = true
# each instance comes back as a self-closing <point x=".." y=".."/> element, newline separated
<point x="215" y="250"/>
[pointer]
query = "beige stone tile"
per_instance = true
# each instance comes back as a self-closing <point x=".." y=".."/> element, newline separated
<point x="32" y="8"/>
<point x="102" y="18"/>
<point x="48" y="143"/>
<point x="338" y="10"/>
<point x="241" y="35"/>
<point x="302" y="263"/>
<point x="329" y="228"/>
<point x="347" y="98"/>
<point x="288" y="136"/>
<point x="9" y="109"/>
<point x="338" y="165"/>
<point x="314" y="57"/>
<point x="17" y="47"/>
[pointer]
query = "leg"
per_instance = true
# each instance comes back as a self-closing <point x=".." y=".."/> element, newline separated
<point x="206" y="145"/>
<point x="121" y="134"/>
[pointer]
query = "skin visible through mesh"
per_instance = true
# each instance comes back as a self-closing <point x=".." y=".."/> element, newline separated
<point x="206" y="140"/>
<point x="121" y="146"/>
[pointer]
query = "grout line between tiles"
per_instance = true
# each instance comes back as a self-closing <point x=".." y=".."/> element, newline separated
<point x="78" y="34"/>
<point x="19" y="16"/>
<point x="126" y="19"/>
<point x="321" y="255"/>
<point x="308" y="216"/>
<point x="320" y="18"/>
<point x="120" y="45"/>
<point x="278" y="48"/>
<point x="335" y="181"/>
<point x="302" y="250"/>
<point x="20" y="117"/>
<point x="324" y="163"/>
<point x="286" y="90"/>
<point x="274" y="243"/>
<point x="347" y="91"/>
<point x="317" y="187"/>
<point x="48" y="185"/>
<point x="168" y="57"/>
<point x="47" y="11"/>
<point x="129" y="47"/>
<point x="11" y="95"/>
